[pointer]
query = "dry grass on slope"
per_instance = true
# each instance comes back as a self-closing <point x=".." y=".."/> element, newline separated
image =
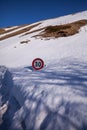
<point x="40" y="29"/>
<point x="63" y="30"/>
<point x="19" y="32"/>
<point x="2" y="30"/>
<point x="26" y="41"/>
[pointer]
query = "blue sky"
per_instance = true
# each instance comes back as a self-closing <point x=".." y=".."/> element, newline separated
<point x="17" y="12"/>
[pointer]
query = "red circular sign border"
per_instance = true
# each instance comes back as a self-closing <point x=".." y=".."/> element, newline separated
<point x="40" y="60"/>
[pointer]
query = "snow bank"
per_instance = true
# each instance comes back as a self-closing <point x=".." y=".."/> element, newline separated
<point x="3" y="92"/>
<point x="7" y="103"/>
<point x="52" y="99"/>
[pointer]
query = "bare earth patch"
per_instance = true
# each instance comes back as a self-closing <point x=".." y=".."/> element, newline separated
<point x="23" y="42"/>
<point x="7" y="31"/>
<point x="19" y="32"/>
<point x="2" y="30"/>
<point x="62" y="30"/>
<point x="49" y="31"/>
<point x="34" y="31"/>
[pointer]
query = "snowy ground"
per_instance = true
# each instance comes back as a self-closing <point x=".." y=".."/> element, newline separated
<point x="49" y="99"/>
<point x="54" y="98"/>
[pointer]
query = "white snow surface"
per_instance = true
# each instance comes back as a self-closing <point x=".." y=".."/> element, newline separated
<point x="8" y="28"/>
<point x="18" y="29"/>
<point x="54" y="98"/>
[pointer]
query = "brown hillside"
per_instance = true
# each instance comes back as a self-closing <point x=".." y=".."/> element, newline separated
<point x="7" y="31"/>
<point x="2" y="30"/>
<point x="18" y="32"/>
<point x="63" y="30"/>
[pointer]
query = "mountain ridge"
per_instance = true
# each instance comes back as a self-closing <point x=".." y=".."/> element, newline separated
<point x="26" y="28"/>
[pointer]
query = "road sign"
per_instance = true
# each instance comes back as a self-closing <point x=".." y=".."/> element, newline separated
<point x="38" y="64"/>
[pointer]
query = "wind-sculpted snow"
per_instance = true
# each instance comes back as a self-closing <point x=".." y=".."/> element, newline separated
<point x="51" y="99"/>
<point x="8" y="105"/>
<point x="4" y="91"/>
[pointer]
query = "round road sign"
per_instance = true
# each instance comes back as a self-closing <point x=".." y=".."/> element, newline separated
<point x="38" y="64"/>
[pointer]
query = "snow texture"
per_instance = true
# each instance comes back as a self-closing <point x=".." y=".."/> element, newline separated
<point x="54" y="98"/>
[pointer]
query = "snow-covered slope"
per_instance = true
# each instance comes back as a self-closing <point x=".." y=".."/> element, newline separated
<point x="54" y="98"/>
<point x="11" y="50"/>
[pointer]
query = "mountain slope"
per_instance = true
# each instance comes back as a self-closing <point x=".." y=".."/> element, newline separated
<point x="11" y="48"/>
<point x="54" y="98"/>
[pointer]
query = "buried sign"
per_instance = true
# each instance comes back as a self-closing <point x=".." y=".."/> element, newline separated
<point x="38" y="64"/>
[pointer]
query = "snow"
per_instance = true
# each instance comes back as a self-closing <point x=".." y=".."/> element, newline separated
<point x="3" y="93"/>
<point x="54" y="98"/>
<point x="62" y="20"/>
<point x="59" y="48"/>
<point x="83" y="29"/>
<point x="1" y="35"/>
<point x="9" y="28"/>
<point x="46" y="98"/>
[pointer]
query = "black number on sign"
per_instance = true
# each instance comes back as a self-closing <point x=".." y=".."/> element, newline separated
<point x="38" y="64"/>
